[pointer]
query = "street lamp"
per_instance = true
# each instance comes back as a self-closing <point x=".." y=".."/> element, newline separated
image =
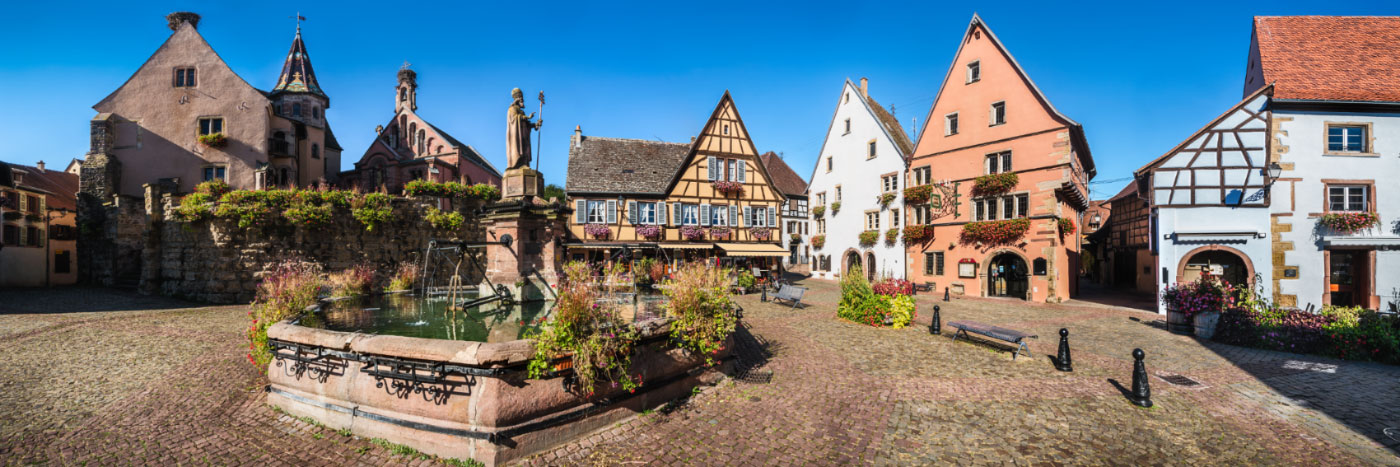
<point x="1273" y="171"/>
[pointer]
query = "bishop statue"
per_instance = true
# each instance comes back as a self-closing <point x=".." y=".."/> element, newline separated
<point x="518" y="127"/>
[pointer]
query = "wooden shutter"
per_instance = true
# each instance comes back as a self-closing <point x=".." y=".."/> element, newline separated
<point x="632" y="212"/>
<point x="733" y="215"/>
<point x="661" y="213"/>
<point x="714" y="172"/>
<point x="772" y="216"/>
<point x="742" y="164"/>
<point x="612" y="211"/>
<point x="680" y="214"/>
<point x="580" y="211"/>
<point x="705" y="214"/>
<point x="748" y="216"/>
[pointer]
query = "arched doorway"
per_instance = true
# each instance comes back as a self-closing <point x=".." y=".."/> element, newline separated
<point x="1007" y="276"/>
<point x="870" y="266"/>
<point x="851" y="261"/>
<point x="1220" y="263"/>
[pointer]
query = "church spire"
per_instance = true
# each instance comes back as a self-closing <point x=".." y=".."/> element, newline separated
<point x="297" y="75"/>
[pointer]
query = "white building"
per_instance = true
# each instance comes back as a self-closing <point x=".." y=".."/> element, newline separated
<point x="862" y="160"/>
<point x="794" y="217"/>
<point x="1210" y="201"/>
<point x="1336" y="139"/>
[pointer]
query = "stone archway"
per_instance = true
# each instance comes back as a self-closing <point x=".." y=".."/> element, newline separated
<point x="1234" y="266"/>
<point x="849" y="259"/>
<point x="1008" y="275"/>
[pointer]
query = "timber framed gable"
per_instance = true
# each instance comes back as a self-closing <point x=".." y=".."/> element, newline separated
<point x="1220" y="164"/>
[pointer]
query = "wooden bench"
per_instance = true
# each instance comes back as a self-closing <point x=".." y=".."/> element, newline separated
<point x="995" y="332"/>
<point x="790" y="294"/>
<point x="924" y="287"/>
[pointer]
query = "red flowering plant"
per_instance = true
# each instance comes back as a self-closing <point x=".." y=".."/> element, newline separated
<point x="761" y="233"/>
<point x="994" y="184"/>
<point x="891" y="236"/>
<point x="720" y="233"/>
<point x="868" y="237"/>
<point x="995" y="232"/>
<point x="818" y="241"/>
<point x="728" y="187"/>
<point x="1066" y="226"/>
<point x="917" y="233"/>
<point x="1349" y="222"/>
<point x="1201" y="296"/>
<point x="598" y="231"/>
<point x="692" y="232"/>
<point x="891" y="287"/>
<point x="918" y="194"/>
<point x="652" y="232"/>
<point x="214" y="140"/>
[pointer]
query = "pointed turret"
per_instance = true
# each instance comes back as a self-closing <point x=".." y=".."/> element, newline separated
<point x="297" y="75"/>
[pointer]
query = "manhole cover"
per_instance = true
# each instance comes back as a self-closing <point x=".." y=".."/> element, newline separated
<point x="1180" y="380"/>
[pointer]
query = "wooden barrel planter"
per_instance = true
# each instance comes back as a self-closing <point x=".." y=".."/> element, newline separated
<point x="1178" y="323"/>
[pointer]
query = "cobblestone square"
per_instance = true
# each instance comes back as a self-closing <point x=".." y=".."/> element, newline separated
<point x="95" y="376"/>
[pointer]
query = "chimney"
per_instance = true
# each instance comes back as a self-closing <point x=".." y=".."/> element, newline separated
<point x="578" y="135"/>
<point x="864" y="87"/>
<point x="40" y="166"/>
<point x="174" y="19"/>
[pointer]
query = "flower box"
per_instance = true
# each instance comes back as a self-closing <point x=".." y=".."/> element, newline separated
<point x="650" y="232"/>
<point x="728" y="187"/>
<point x="597" y="231"/>
<point x="918" y="194"/>
<point x="885" y="199"/>
<point x="692" y="232"/>
<point x="917" y="233"/>
<point x="995" y="232"/>
<point x="796" y="238"/>
<point x="994" y="184"/>
<point x="761" y="233"/>
<point x="720" y="233"/>
<point x="819" y="211"/>
<point x="818" y="241"/>
<point x="835" y="208"/>
<point x="214" y="140"/>
<point x="891" y="236"/>
<point x="868" y="238"/>
<point x="1349" y="222"/>
<point x="1066" y="226"/>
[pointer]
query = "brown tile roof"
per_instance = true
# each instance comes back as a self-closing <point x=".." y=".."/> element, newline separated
<point x="616" y="165"/>
<point x="62" y="187"/>
<point x="892" y="126"/>
<point x="787" y="181"/>
<point x="1128" y="190"/>
<point x="1344" y="58"/>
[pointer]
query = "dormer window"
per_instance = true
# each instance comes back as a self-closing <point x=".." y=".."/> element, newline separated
<point x="184" y="77"/>
<point x="974" y="72"/>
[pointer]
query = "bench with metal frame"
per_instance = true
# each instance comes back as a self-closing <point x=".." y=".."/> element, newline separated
<point x="792" y="294"/>
<point x="1012" y="336"/>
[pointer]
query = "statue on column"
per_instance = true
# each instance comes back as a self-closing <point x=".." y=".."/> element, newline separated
<point x="518" y="127"/>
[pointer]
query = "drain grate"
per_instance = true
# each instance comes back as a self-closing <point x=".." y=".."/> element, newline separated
<point x="756" y="376"/>
<point x="1180" y="380"/>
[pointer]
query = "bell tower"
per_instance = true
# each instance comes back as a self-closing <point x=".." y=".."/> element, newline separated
<point x="407" y="90"/>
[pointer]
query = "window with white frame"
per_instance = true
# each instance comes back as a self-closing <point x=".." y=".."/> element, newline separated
<point x="890" y="182"/>
<point x="872" y="220"/>
<point x="998" y="113"/>
<point x="974" y="71"/>
<point x="597" y="212"/>
<point x="998" y="162"/>
<point x="758" y="217"/>
<point x="719" y="216"/>
<point x="690" y="214"/>
<point x="923" y="176"/>
<point x="1000" y="207"/>
<point x="1347" y="198"/>
<point x="922" y="214"/>
<point x="733" y="174"/>
<point x="894" y="218"/>
<point x="950" y="124"/>
<point x="646" y="213"/>
<point x="821" y="199"/>
<point x="211" y="125"/>
<point x="1346" y="138"/>
<point x="821" y="226"/>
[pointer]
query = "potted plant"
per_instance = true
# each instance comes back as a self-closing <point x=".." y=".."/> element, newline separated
<point x="885" y="199"/>
<point x="761" y="234"/>
<point x="597" y="231"/>
<point x="818" y="241"/>
<point x="1195" y="306"/>
<point x="796" y="238"/>
<point x="891" y="235"/>
<point x="1066" y="226"/>
<point x="818" y="211"/>
<point x="214" y="140"/>
<point x="649" y="232"/>
<point x="994" y="184"/>
<point x="835" y="208"/>
<point x="868" y="237"/>
<point x="1349" y="222"/>
<point x="917" y="233"/>
<point x="918" y="194"/>
<point x="692" y="232"/>
<point x="720" y="233"/>
<point x="995" y="232"/>
<point x="728" y="187"/>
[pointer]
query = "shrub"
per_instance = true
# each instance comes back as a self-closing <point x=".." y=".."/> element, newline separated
<point x="1203" y="295"/>
<point x="818" y="211"/>
<point x="918" y="194"/>
<point x="450" y="220"/>
<point x="195" y="206"/>
<point x="290" y="288"/>
<point x="308" y="214"/>
<point x="1348" y="333"/>
<point x="249" y="207"/>
<point x="867" y="238"/>
<point x="859" y="303"/>
<point x="994" y="184"/>
<point x="372" y="209"/>
<point x="901" y="310"/>
<point x="352" y="281"/>
<point x="746" y="280"/>
<point x="594" y="336"/>
<point x="818" y="241"/>
<point x="214" y="188"/>
<point x="1349" y="222"/>
<point x="893" y="287"/>
<point x="995" y="232"/>
<point x="405" y="277"/>
<point x="703" y="309"/>
<point x="480" y="191"/>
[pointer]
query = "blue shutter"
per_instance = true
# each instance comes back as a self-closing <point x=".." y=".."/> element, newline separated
<point x="772" y="216"/>
<point x="748" y="216"/>
<point x="661" y="213"/>
<point x="580" y="211"/>
<point x="632" y="212"/>
<point x="612" y="211"/>
<point x="705" y="214"/>
<point x="733" y="215"/>
<point x="680" y="208"/>
<point x="714" y="172"/>
<point x="742" y="164"/>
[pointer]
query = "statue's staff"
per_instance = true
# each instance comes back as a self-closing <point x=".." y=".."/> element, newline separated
<point x="539" y="150"/>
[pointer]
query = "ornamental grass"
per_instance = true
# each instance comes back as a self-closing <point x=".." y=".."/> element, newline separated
<point x="405" y="276"/>
<point x="703" y="309"/>
<point x="352" y="281"/>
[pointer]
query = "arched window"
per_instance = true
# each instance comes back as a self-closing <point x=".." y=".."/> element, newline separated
<point x="439" y="150"/>
<point x="403" y="94"/>
<point x="420" y="141"/>
<point x="412" y="129"/>
<point x="296" y="110"/>
<point x="315" y="151"/>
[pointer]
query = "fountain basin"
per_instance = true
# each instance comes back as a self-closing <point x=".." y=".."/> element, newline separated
<point x="461" y="399"/>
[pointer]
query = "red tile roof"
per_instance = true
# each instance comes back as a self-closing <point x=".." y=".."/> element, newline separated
<point x="787" y="181"/>
<point x="1341" y="58"/>
<point x="61" y="186"/>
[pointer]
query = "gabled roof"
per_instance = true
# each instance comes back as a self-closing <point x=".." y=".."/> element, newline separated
<point x="1129" y="189"/>
<point x="892" y="126"/>
<point x="184" y="29"/>
<point x="1162" y="158"/>
<point x="616" y="165"/>
<point x="331" y="142"/>
<point x="1333" y="58"/>
<point x="297" y="75"/>
<point x="1076" y="130"/>
<point x="465" y="150"/>
<point x="784" y="178"/>
<point x="60" y="186"/>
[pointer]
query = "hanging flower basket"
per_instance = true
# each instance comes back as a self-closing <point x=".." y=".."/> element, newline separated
<point x="650" y="232"/>
<point x="796" y="238"/>
<point x="994" y="184"/>
<point x="1349" y="222"/>
<point x="918" y="195"/>
<point x="868" y="238"/>
<point x="692" y="232"/>
<point x="885" y="199"/>
<point x="891" y="236"/>
<point x="818" y="241"/>
<point x="917" y="233"/>
<point x="818" y="211"/>
<point x="835" y="208"/>
<point x="720" y="233"/>
<point x="995" y="232"/>
<point x="728" y="187"/>
<point x="1066" y="226"/>
<point x="761" y="233"/>
<point x="214" y="140"/>
<point x="597" y="231"/>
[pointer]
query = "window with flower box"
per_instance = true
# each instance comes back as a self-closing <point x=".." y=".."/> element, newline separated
<point x="890" y="182"/>
<point x="998" y="163"/>
<point x="921" y="215"/>
<point x="1000" y="207"/>
<point x="923" y="175"/>
<point x="1348" y="198"/>
<point x="597" y="211"/>
<point x="719" y="215"/>
<point x="872" y="220"/>
<point x="894" y="218"/>
<point x="211" y="125"/>
<point x="690" y="214"/>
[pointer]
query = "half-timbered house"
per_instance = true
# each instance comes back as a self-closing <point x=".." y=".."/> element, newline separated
<point x="710" y="198"/>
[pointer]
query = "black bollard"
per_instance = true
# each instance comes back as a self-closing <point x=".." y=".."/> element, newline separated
<point x="1063" y="363"/>
<point x="936" y="326"/>
<point x="945" y="294"/>
<point x="1142" y="392"/>
<point x="764" y="298"/>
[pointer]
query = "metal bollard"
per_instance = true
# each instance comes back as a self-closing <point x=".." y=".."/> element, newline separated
<point x="1063" y="362"/>
<point x="1142" y="392"/>
<point x="936" y="326"/>
<point x="945" y="294"/>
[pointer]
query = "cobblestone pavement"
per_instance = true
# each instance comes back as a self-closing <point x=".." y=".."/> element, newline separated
<point x="103" y="377"/>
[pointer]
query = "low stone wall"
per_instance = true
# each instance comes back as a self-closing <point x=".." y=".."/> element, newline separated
<point x="216" y="261"/>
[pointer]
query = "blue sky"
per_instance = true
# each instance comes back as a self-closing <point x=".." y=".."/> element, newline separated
<point x="1139" y="78"/>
